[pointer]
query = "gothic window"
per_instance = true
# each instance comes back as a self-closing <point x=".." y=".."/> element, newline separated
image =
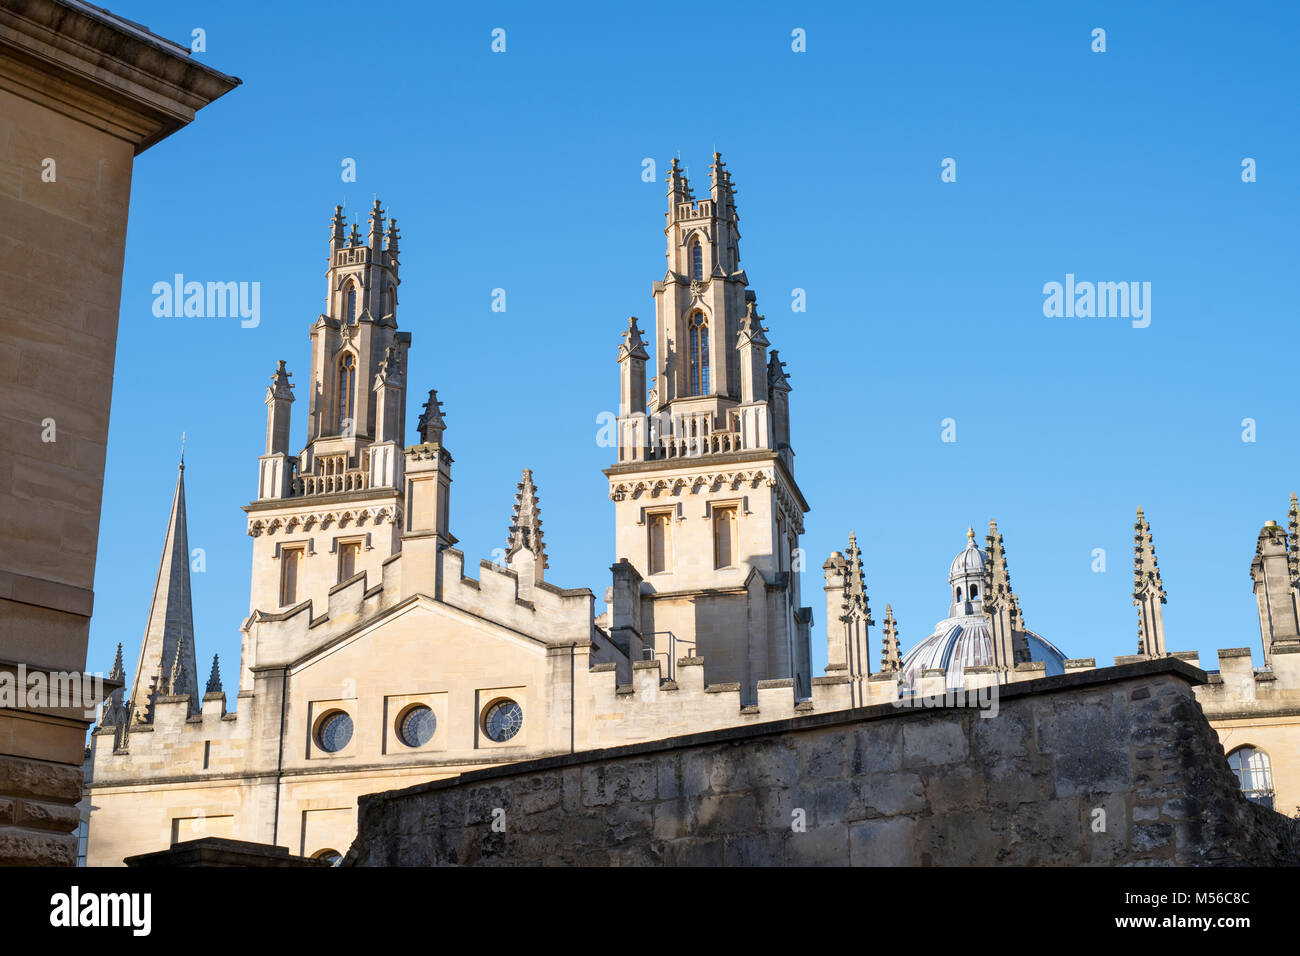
<point x="724" y="537"/>
<point x="699" y="357"/>
<point x="347" y="388"/>
<point x="661" y="545"/>
<point x="349" y="552"/>
<point x="697" y="261"/>
<point x="290" y="575"/>
<point x="1254" y="774"/>
<point x="352" y="302"/>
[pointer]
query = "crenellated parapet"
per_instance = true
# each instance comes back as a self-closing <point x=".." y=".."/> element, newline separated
<point x="652" y="706"/>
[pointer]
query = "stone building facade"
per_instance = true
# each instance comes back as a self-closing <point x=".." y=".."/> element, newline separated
<point x="82" y="93"/>
<point x="356" y="574"/>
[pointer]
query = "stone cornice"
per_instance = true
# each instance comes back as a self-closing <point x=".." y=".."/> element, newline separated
<point x="104" y="71"/>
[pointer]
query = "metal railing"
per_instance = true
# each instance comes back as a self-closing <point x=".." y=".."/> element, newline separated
<point x="677" y="647"/>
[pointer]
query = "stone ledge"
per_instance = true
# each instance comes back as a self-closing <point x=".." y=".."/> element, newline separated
<point x="218" y="851"/>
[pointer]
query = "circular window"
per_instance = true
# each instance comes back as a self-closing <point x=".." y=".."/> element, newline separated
<point x="417" y="726"/>
<point x="334" y="732"/>
<point x="503" y="720"/>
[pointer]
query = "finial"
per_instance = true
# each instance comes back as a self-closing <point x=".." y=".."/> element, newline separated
<point x="182" y="451"/>
<point x="214" y="679"/>
<point x="970" y="533"/>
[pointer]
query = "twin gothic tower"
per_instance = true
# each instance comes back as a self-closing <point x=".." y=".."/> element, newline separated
<point x="707" y="511"/>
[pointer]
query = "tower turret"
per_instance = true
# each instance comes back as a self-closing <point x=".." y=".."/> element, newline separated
<point x="708" y="514"/>
<point x="1274" y="592"/>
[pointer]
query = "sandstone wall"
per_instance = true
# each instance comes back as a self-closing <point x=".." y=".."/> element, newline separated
<point x="876" y="786"/>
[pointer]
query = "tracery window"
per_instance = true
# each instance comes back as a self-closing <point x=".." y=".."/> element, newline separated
<point x="699" y="354"/>
<point x="697" y="261"/>
<point x="347" y="388"/>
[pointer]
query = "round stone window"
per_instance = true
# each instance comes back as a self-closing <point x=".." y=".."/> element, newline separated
<point x="334" y="732"/>
<point x="503" y="720"/>
<point x="417" y="726"/>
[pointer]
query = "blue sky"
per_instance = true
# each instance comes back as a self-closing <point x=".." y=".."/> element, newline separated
<point x="522" y="171"/>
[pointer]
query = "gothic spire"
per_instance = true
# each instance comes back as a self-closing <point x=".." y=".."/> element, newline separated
<point x="170" y="625"/>
<point x="119" y="670"/>
<point x="632" y="346"/>
<point x="1000" y="603"/>
<point x="214" y="679"/>
<point x="431" y="424"/>
<point x="1293" y="541"/>
<point x="855" y="601"/>
<point x="525" y="532"/>
<point x="1148" y="591"/>
<point x="178" y="682"/>
<point x="891" y="658"/>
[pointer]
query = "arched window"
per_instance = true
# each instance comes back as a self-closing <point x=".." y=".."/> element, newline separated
<point x="347" y="391"/>
<point x="352" y="302"/>
<point x="697" y="261"/>
<point x="1254" y="774"/>
<point x="974" y="591"/>
<point x="959" y="595"/>
<point x="699" y="357"/>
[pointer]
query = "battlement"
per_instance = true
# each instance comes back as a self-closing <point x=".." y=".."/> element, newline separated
<point x="652" y="707"/>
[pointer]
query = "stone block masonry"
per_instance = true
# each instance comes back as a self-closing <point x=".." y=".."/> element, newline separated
<point x="1116" y="766"/>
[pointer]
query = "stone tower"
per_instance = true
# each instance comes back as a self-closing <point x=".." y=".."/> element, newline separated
<point x="707" y="510"/>
<point x="334" y="509"/>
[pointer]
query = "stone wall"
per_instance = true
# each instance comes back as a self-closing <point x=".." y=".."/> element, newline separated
<point x="1105" y="767"/>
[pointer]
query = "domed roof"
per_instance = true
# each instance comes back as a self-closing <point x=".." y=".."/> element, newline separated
<point x="965" y="638"/>
<point x="971" y="560"/>
<point x="958" y="643"/>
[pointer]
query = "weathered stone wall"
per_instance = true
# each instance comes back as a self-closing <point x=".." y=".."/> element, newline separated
<point x="876" y="786"/>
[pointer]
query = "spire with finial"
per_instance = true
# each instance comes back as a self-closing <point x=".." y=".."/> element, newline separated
<point x="169" y="629"/>
<point x="1293" y="541"/>
<point x="354" y="237"/>
<point x="337" y="224"/>
<point x="777" y="377"/>
<point x="632" y="345"/>
<point x="392" y="237"/>
<point x="178" y="682"/>
<point x="855" y="604"/>
<point x="118" y="673"/>
<point x="891" y="658"/>
<point x="376" y="227"/>
<point x="432" y="424"/>
<point x="214" y="679"/>
<point x="1148" y="591"/>
<point x="1001" y="605"/>
<point x="525" y="531"/>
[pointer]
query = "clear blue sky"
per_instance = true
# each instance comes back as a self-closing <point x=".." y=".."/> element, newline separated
<point x="522" y="171"/>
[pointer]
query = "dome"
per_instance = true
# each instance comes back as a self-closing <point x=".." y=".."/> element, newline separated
<point x="965" y="638"/>
<point x="971" y="560"/>
<point x="958" y="643"/>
